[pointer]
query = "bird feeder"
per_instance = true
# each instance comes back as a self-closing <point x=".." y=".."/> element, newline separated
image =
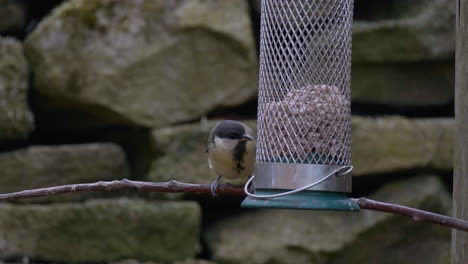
<point x="303" y="157"/>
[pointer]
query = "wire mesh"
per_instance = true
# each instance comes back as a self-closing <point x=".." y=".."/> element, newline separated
<point x="304" y="106"/>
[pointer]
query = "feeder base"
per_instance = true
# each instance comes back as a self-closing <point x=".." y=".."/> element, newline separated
<point x="305" y="200"/>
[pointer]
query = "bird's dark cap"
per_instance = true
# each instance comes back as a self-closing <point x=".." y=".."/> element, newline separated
<point x="229" y="129"/>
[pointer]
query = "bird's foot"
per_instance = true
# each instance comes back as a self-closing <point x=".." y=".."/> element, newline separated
<point x="214" y="187"/>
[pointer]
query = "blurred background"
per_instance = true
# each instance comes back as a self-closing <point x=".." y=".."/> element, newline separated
<point x="97" y="90"/>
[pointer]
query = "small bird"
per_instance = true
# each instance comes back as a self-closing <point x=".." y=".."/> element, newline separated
<point x="231" y="152"/>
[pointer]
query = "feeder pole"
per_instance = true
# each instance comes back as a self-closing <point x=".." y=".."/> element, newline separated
<point x="460" y="177"/>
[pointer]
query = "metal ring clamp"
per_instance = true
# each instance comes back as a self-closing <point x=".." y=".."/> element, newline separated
<point x="341" y="171"/>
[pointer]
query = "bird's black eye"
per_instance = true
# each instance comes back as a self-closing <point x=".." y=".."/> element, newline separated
<point x="231" y="136"/>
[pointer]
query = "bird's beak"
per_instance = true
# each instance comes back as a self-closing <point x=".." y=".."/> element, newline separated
<point x="246" y="137"/>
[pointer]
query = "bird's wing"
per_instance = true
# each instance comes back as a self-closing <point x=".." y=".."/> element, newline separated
<point x="209" y="164"/>
<point x="211" y="139"/>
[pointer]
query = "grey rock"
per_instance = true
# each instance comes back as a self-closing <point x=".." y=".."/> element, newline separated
<point x="398" y="143"/>
<point x="101" y="230"/>
<point x="195" y="261"/>
<point x="133" y="261"/>
<point x="403" y="53"/>
<point x="12" y="15"/>
<point x="45" y="166"/>
<point x="409" y="84"/>
<point x="290" y="236"/>
<point x="426" y="32"/>
<point x="183" y="151"/>
<point x="16" y="119"/>
<point x="144" y="62"/>
<point x="186" y="261"/>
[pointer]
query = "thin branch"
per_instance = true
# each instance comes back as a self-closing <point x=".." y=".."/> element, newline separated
<point x="180" y="187"/>
<point x="118" y="185"/>
<point x="415" y="214"/>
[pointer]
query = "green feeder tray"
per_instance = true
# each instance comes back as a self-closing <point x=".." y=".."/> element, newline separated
<point x="310" y="200"/>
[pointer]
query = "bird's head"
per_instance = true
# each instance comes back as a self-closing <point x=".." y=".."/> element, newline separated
<point x="229" y="133"/>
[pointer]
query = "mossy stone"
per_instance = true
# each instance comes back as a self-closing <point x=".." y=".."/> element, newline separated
<point x="427" y="33"/>
<point x="101" y="231"/>
<point x="421" y="84"/>
<point x="46" y="166"/>
<point x="393" y="143"/>
<point x="149" y="63"/>
<point x="16" y="119"/>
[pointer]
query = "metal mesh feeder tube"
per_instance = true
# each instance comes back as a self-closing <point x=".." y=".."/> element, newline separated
<point x="304" y="106"/>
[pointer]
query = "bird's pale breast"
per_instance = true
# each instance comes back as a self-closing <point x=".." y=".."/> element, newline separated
<point x="222" y="161"/>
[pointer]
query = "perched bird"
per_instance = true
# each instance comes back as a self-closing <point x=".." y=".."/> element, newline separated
<point x="231" y="152"/>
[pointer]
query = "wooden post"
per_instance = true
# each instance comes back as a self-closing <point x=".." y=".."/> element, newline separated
<point x="460" y="177"/>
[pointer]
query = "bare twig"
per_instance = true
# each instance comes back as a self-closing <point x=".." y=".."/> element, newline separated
<point x="170" y="187"/>
<point x="180" y="187"/>
<point x="415" y="214"/>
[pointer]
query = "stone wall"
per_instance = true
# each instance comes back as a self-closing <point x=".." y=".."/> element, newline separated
<point x="97" y="90"/>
